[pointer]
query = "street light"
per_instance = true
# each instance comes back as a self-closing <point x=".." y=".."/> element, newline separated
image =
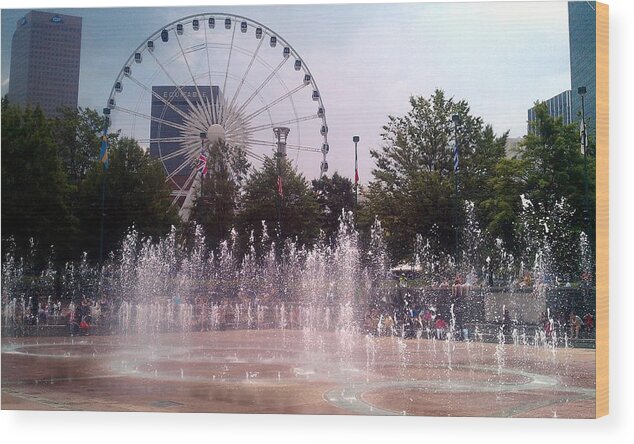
<point x="203" y="136"/>
<point x="584" y="147"/>
<point x="281" y="135"/>
<point x="356" y="139"/>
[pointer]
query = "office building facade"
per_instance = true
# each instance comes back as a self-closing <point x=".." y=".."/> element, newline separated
<point x="45" y="56"/>
<point x="582" y="34"/>
<point x="558" y="106"/>
<point x="163" y="115"/>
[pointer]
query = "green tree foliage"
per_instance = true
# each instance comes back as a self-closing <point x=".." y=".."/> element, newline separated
<point x="76" y="133"/>
<point x="555" y="166"/>
<point x="52" y="185"/>
<point x="334" y="195"/>
<point x="293" y="216"/>
<point x="215" y="209"/>
<point x="135" y="194"/>
<point x="555" y="187"/>
<point x="35" y="189"/>
<point x="413" y="190"/>
<point x="502" y="203"/>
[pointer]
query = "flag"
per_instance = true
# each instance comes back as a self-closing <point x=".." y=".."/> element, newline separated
<point x="280" y="188"/>
<point x="202" y="164"/>
<point x="103" y="155"/>
<point x="583" y="136"/>
<point x="456" y="159"/>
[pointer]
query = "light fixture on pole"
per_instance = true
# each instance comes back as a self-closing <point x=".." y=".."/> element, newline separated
<point x="281" y="135"/>
<point x="583" y="134"/>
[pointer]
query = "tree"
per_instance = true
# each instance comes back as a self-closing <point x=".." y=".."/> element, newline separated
<point x="503" y="204"/>
<point x="135" y="194"/>
<point x="334" y="195"/>
<point x="556" y="166"/>
<point x="215" y="208"/>
<point x="293" y="215"/>
<point x="76" y="133"/>
<point x="414" y="189"/>
<point x="555" y="188"/>
<point x="35" y="190"/>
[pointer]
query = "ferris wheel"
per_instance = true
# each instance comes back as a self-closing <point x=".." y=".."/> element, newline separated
<point x="218" y="77"/>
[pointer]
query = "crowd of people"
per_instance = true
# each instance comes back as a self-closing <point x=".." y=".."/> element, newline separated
<point x="574" y="326"/>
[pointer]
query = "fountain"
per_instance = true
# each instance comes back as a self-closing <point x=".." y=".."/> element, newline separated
<point x="315" y="330"/>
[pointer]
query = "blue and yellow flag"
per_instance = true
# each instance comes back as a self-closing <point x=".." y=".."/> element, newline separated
<point x="103" y="156"/>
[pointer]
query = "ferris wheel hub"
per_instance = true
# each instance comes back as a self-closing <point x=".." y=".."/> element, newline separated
<point x="215" y="133"/>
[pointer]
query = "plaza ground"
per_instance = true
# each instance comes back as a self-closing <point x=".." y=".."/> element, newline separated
<point x="297" y="372"/>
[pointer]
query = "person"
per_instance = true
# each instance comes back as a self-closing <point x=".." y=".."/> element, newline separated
<point x="441" y="326"/>
<point x="506" y="324"/>
<point x="41" y="315"/>
<point x="575" y="325"/>
<point x="588" y="323"/>
<point x="402" y="282"/>
<point x="388" y="325"/>
<point x="74" y="316"/>
<point x="427" y="319"/>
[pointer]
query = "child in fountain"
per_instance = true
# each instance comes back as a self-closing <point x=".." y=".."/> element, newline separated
<point x="441" y="326"/>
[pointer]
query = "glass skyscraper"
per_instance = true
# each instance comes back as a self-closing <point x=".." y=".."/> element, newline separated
<point x="582" y="34"/>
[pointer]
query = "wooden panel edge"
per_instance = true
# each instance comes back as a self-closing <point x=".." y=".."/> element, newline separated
<point x="602" y="209"/>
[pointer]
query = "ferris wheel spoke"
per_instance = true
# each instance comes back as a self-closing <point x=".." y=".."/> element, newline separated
<point x="233" y="36"/>
<point x="288" y="145"/>
<point x="268" y="106"/>
<point x="246" y="73"/>
<point x="212" y="109"/>
<point x="262" y="85"/>
<point x="286" y="122"/>
<point x="180" y="168"/>
<point x="158" y="96"/>
<point x="190" y="179"/>
<point x="179" y="152"/>
<point x="164" y="140"/>
<point x="150" y="118"/>
<point x="178" y="88"/>
<point x="255" y="156"/>
<point x="191" y="74"/>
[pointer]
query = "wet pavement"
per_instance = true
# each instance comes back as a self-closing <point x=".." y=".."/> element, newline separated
<point x="298" y="372"/>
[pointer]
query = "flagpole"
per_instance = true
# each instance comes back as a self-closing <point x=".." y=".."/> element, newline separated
<point x="103" y="158"/>
<point x="356" y="139"/>
<point x="456" y="168"/>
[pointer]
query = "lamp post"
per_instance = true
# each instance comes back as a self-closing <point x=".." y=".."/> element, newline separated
<point x="456" y="167"/>
<point x="281" y="135"/>
<point x="203" y="136"/>
<point x="356" y="139"/>
<point x="584" y="147"/>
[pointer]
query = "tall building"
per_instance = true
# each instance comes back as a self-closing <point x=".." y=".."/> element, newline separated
<point x="582" y="33"/>
<point x="45" y="52"/>
<point x="558" y="106"/>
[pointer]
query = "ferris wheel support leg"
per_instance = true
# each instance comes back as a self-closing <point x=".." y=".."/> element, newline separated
<point x="192" y="195"/>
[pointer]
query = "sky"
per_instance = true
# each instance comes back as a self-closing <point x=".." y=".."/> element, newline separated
<point x="367" y="59"/>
